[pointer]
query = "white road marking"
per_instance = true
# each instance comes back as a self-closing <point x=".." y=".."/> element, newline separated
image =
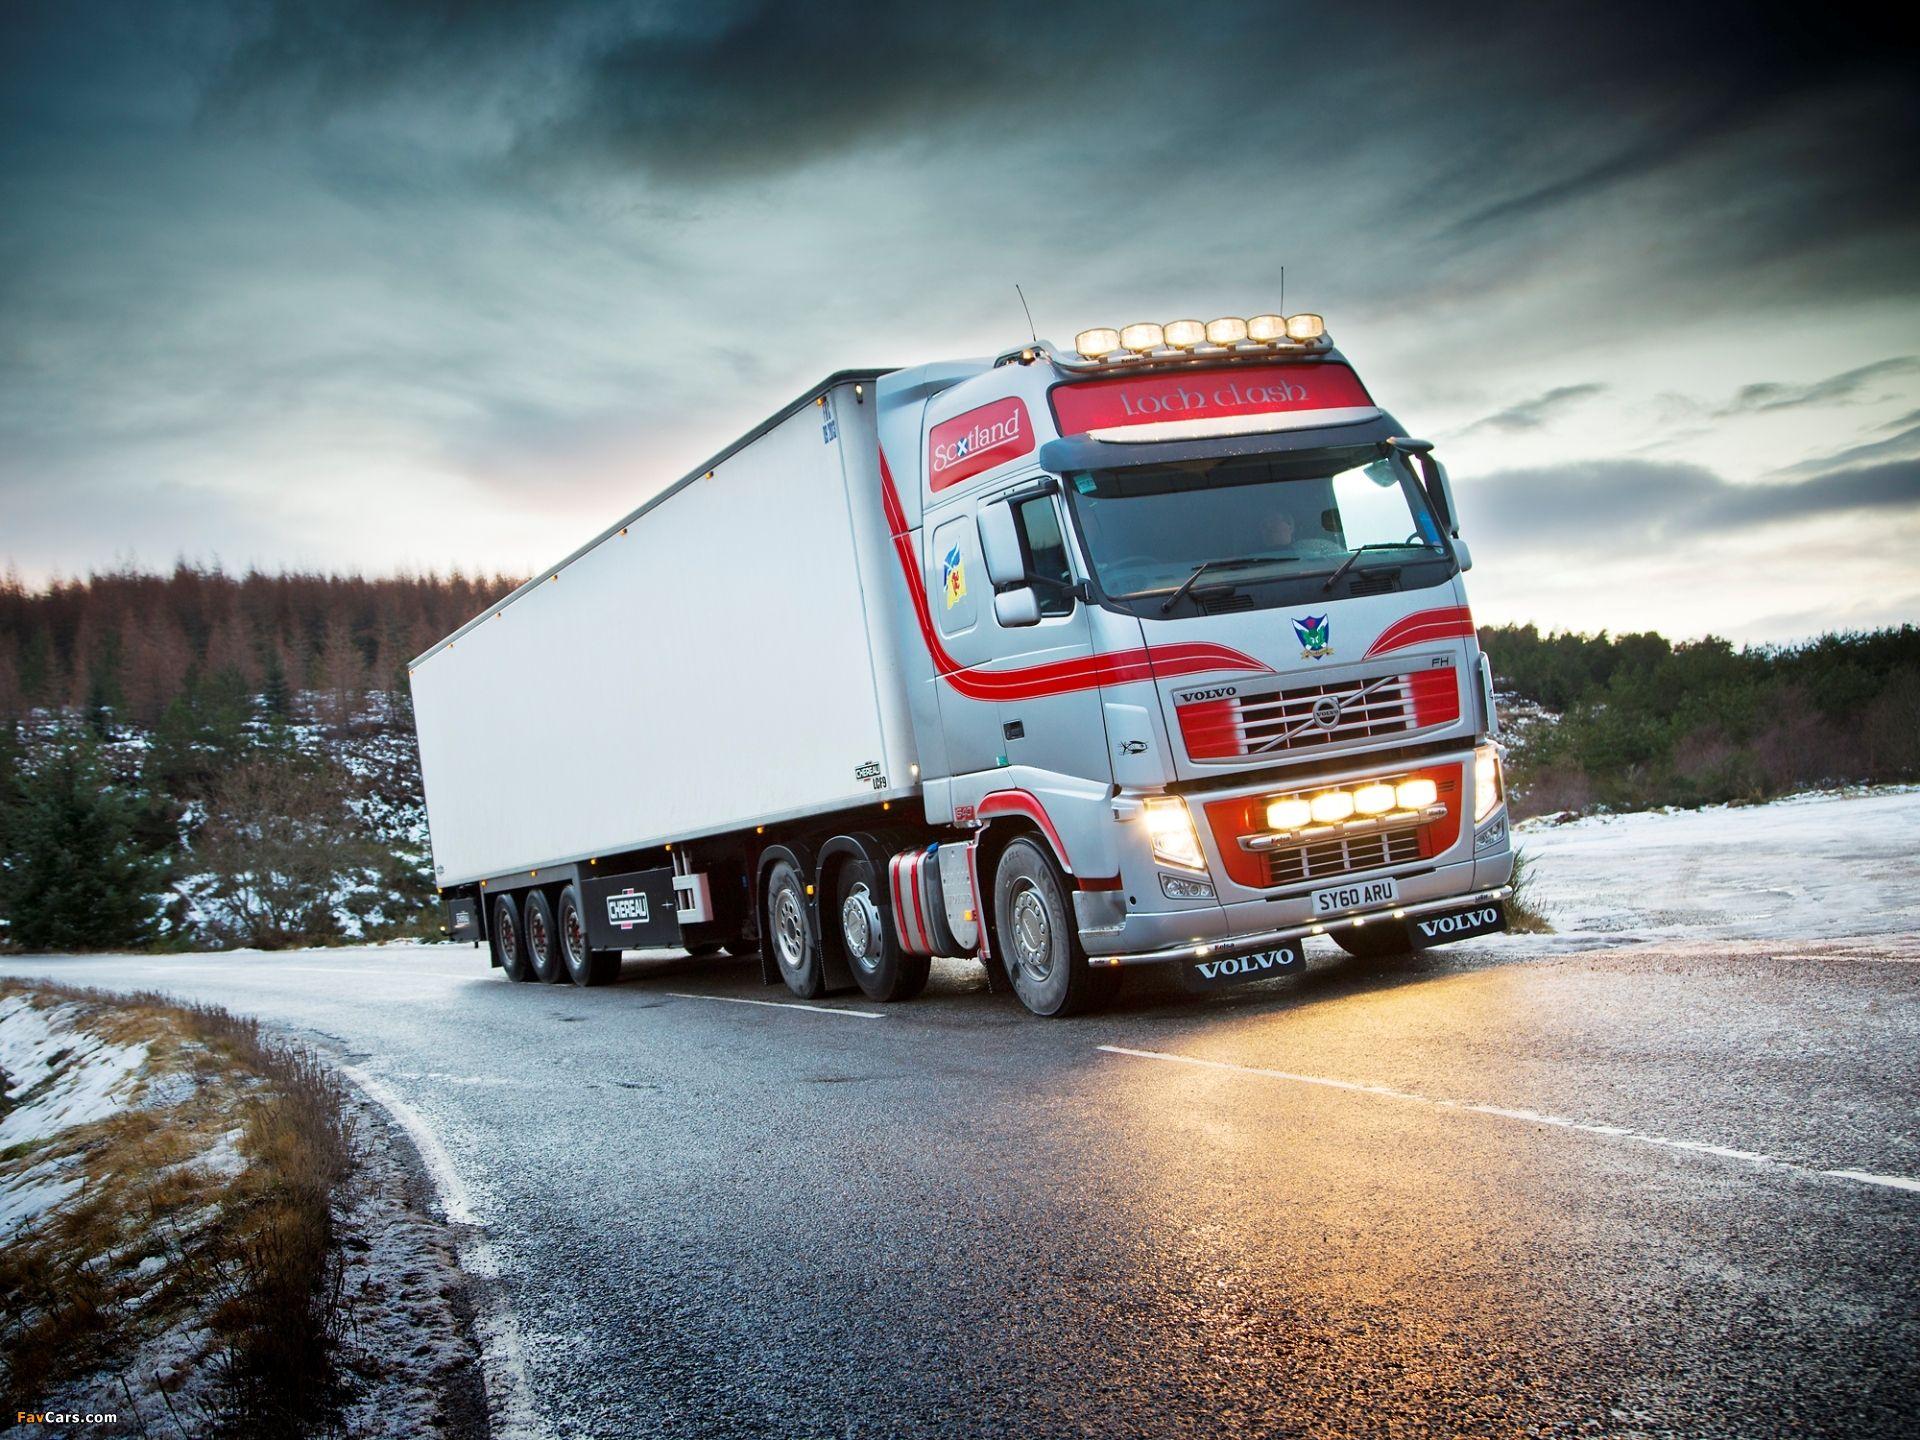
<point x="1896" y="1182"/>
<point x="781" y="1005"/>
<point x="1533" y="1117"/>
<point x="502" y="1358"/>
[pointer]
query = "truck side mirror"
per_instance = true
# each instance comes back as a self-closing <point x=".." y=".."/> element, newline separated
<point x="1463" y="554"/>
<point x="1017" y="607"/>
<point x="1000" y="546"/>
<point x="1440" y="490"/>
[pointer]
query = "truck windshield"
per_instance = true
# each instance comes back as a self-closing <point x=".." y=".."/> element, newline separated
<point x="1249" y="519"/>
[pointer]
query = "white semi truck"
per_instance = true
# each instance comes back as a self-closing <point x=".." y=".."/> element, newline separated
<point x="1154" y="652"/>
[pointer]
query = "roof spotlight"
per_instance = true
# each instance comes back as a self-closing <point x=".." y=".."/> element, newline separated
<point x="1092" y="344"/>
<point x="1227" y="330"/>
<point x="1143" y="337"/>
<point x="1267" y="328"/>
<point x="1305" y="327"/>
<point x="1185" y="334"/>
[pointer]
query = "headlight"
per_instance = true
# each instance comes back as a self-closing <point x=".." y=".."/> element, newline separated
<point x="1486" y="782"/>
<point x="1171" y="829"/>
<point x="1373" y="799"/>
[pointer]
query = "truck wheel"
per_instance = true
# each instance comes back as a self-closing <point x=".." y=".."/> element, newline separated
<point x="879" y="966"/>
<point x="585" y="966"/>
<point x="1033" y="920"/>
<point x="703" y="948"/>
<point x="793" y="948"/>
<point x="1374" y="942"/>
<point x="542" y="939"/>
<point x="507" y="942"/>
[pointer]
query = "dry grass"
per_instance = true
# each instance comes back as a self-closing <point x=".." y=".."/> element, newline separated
<point x="1522" y="917"/>
<point x="249" y="1257"/>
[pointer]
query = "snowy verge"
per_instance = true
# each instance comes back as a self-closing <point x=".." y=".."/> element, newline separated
<point x="144" y="1143"/>
<point x="1812" y="866"/>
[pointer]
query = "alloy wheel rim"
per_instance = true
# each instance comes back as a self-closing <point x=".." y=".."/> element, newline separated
<point x="860" y="926"/>
<point x="789" y="928"/>
<point x="1032" y="934"/>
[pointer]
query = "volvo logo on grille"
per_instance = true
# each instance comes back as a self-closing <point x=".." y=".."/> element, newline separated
<point x="1326" y="712"/>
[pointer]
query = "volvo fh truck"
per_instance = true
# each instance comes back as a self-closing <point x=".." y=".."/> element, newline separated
<point x="1152" y="652"/>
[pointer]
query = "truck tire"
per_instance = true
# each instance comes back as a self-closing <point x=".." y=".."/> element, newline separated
<point x="1375" y="942"/>
<point x="585" y="966"/>
<point x="507" y="942"/>
<point x="703" y="948"/>
<point x="542" y="938"/>
<point x="863" y="919"/>
<point x="1039" y="943"/>
<point x="790" y="936"/>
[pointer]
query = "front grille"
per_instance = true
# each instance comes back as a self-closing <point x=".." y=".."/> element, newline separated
<point x="1309" y="716"/>
<point x="1342" y="855"/>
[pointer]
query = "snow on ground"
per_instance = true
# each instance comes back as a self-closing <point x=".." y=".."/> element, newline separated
<point x="58" y="1075"/>
<point x="1808" y="867"/>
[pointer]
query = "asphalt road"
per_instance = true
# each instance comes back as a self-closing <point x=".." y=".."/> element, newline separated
<point x="1495" y="1191"/>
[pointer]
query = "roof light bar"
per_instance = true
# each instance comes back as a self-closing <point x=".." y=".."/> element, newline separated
<point x="1175" y="341"/>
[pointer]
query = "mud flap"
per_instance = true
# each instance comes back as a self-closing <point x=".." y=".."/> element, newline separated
<point x="1217" y="971"/>
<point x="1488" y="918"/>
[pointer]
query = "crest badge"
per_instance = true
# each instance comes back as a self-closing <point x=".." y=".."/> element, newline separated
<point x="1313" y="631"/>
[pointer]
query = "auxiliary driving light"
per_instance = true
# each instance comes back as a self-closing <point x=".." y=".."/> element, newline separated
<point x="1267" y="328"/>
<point x="1305" y="327"/>
<point x="1185" y="334"/>
<point x="1292" y="813"/>
<point x="1332" y="806"/>
<point x="1092" y="344"/>
<point x="1143" y="336"/>
<point x="1373" y="799"/>
<point x="1227" y="330"/>
<point x="1416" y="794"/>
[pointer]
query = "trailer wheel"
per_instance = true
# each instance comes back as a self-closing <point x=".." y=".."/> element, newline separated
<point x="865" y="924"/>
<point x="1039" y="942"/>
<point x="542" y="939"/>
<point x="791" y="936"/>
<point x="585" y="966"/>
<point x="1374" y="942"/>
<point x="507" y="943"/>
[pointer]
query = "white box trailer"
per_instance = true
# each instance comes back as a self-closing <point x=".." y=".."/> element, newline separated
<point x="1154" y="654"/>
<point x="621" y="699"/>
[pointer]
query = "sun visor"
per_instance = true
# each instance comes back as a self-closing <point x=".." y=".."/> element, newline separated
<point x="1090" y="452"/>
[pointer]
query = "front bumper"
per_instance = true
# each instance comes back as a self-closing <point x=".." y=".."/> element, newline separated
<point x="1140" y="926"/>
<point x="1242" y="944"/>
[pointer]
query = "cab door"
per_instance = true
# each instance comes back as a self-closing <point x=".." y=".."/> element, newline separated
<point x="1026" y="690"/>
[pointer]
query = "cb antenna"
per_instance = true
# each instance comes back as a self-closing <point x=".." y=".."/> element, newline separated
<point x="1024" y="306"/>
<point x="1283" y="289"/>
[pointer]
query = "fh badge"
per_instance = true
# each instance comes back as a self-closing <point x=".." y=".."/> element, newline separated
<point x="953" y="579"/>
<point x="1313" y="631"/>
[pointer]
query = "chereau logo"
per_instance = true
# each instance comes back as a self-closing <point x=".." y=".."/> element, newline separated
<point x="627" y="909"/>
<point x="1454" y="924"/>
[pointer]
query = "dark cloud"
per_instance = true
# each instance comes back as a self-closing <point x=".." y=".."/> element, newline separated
<point x="1532" y="414"/>
<point x="1612" y="504"/>
<point x="1904" y="446"/>
<point x="1843" y="389"/>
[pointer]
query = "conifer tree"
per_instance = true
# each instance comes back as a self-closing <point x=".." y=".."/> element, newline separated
<point x="75" y="874"/>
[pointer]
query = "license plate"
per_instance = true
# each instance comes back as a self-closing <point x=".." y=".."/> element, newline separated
<point x="1341" y="898"/>
<point x="1232" y="969"/>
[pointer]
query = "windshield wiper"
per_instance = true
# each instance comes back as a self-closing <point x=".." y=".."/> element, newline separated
<point x="1348" y="563"/>
<point x="1166" y="605"/>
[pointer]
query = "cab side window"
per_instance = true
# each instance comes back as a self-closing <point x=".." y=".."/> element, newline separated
<point x="1046" y="552"/>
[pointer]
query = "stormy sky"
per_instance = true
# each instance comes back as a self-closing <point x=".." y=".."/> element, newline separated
<point x="360" y="285"/>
